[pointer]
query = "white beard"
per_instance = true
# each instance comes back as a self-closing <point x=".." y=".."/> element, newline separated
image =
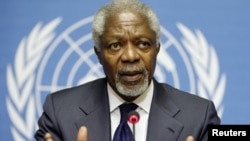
<point x="132" y="92"/>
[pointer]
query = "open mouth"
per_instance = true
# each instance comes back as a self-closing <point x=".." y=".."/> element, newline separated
<point x="131" y="78"/>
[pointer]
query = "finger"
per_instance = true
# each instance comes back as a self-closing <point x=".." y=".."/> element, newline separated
<point x="190" y="138"/>
<point x="48" y="137"/>
<point x="82" y="134"/>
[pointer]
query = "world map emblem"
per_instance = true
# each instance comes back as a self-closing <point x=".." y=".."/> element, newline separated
<point x="47" y="61"/>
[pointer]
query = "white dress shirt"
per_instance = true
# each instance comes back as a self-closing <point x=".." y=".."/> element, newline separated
<point x="144" y="104"/>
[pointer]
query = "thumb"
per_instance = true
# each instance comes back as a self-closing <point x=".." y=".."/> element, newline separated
<point x="190" y="138"/>
<point x="82" y="134"/>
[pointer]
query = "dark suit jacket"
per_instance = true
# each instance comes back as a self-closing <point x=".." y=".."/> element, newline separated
<point x="173" y="116"/>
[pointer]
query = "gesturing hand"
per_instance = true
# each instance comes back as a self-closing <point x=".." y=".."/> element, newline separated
<point x="190" y="138"/>
<point x="81" y="136"/>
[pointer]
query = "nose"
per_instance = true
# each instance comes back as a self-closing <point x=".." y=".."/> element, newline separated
<point x="130" y="54"/>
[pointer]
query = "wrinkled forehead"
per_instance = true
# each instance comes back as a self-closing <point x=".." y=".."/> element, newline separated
<point x="125" y="17"/>
<point x="127" y="25"/>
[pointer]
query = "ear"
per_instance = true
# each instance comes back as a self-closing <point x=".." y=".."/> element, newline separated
<point x="158" y="48"/>
<point x="98" y="54"/>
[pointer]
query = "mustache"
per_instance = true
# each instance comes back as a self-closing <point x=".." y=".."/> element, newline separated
<point x="131" y="69"/>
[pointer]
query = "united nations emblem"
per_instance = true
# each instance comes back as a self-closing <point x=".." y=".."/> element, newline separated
<point x="46" y="62"/>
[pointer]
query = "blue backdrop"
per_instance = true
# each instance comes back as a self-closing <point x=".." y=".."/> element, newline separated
<point x="47" y="46"/>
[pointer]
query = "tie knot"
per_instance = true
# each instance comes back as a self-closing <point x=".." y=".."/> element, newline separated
<point x="125" y="109"/>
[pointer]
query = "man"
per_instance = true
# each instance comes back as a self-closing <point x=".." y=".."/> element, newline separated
<point x="127" y="40"/>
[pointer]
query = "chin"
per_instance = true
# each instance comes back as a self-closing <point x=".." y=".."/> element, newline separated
<point x="132" y="91"/>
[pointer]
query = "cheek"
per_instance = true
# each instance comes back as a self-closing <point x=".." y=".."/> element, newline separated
<point x="109" y="66"/>
<point x="150" y="63"/>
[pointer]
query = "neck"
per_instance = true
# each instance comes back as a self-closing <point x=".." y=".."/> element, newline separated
<point x="128" y="98"/>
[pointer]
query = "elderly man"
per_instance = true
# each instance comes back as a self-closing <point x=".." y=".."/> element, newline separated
<point x="127" y="40"/>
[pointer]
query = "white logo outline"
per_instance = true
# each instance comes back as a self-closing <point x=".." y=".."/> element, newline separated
<point x="20" y="80"/>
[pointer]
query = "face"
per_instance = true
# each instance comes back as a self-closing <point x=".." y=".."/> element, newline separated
<point x="128" y="53"/>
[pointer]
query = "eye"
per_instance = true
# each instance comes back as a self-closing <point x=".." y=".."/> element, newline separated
<point x="144" y="44"/>
<point x="114" y="46"/>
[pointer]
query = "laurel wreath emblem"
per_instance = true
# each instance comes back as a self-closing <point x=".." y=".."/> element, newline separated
<point x="206" y="66"/>
<point x="20" y="79"/>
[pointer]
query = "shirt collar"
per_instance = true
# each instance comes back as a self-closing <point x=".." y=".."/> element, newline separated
<point x="143" y="101"/>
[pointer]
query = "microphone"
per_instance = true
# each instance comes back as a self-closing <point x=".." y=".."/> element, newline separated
<point x="133" y="118"/>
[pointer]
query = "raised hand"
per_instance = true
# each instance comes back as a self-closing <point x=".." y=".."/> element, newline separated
<point x="190" y="138"/>
<point x="81" y="136"/>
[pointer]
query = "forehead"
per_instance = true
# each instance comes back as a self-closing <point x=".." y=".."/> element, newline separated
<point x="125" y="16"/>
<point x="127" y="21"/>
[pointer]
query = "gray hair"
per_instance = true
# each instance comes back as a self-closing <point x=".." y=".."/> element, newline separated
<point x="119" y="5"/>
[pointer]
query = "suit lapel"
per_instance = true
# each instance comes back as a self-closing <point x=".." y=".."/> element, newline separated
<point x="162" y="125"/>
<point x="96" y="114"/>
